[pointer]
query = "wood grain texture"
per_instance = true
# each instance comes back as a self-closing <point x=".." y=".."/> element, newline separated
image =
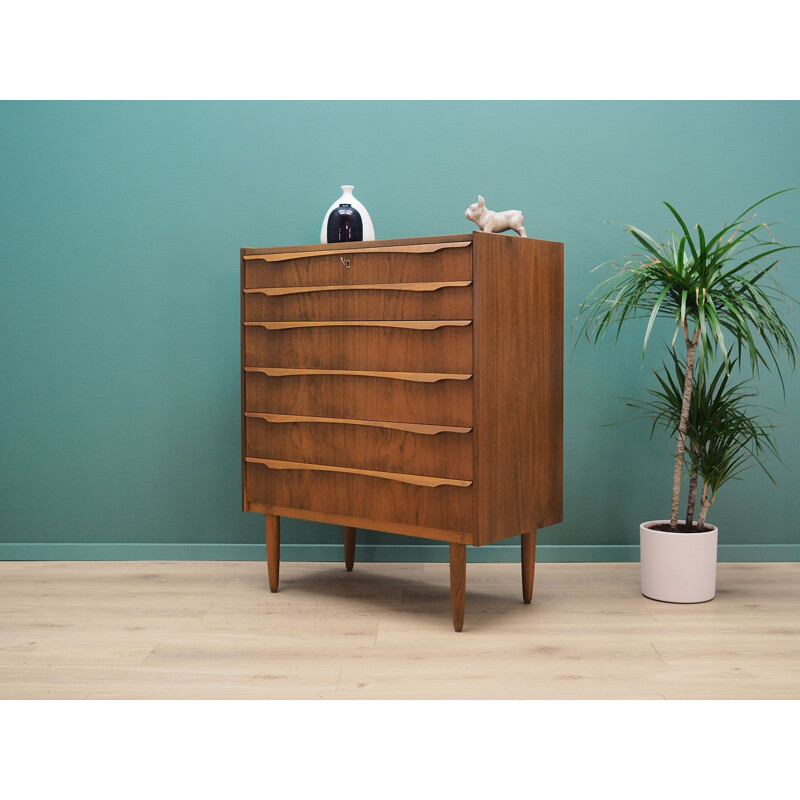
<point x="528" y="563"/>
<point x="427" y="286"/>
<point x="341" y="303"/>
<point x="402" y="477"/>
<point x="458" y="584"/>
<point x="360" y="497"/>
<point x="427" y="398"/>
<point x="414" y="377"/>
<point x="420" y="246"/>
<point x="516" y="340"/>
<point x="273" y="529"/>
<point x="374" y="338"/>
<point x="363" y="349"/>
<point x="211" y="630"/>
<point x="367" y="266"/>
<point x="413" y="427"/>
<point x="415" y="528"/>
<point x="418" y="325"/>
<point x="518" y="385"/>
<point x="370" y="446"/>
<point x="243" y="375"/>
<point x="412" y="248"/>
<point x="349" y="547"/>
<point x="368" y="245"/>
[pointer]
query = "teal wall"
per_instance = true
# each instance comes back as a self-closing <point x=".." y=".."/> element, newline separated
<point x="120" y="226"/>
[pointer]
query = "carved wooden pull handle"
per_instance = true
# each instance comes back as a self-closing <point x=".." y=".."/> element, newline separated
<point x="412" y="427"/>
<point x="417" y="377"/>
<point x="419" y="325"/>
<point x="417" y="480"/>
<point x="406" y="248"/>
<point x="428" y="286"/>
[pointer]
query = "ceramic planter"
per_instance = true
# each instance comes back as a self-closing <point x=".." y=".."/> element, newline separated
<point x="678" y="567"/>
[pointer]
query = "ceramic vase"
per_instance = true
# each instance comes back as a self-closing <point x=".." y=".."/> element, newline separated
<point x="368" y="232"/>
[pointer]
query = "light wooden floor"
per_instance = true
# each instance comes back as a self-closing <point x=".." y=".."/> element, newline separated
<point x="213" y="630"/>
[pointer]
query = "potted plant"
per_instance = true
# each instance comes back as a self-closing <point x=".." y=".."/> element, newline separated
<point x="721" y="294"/>
<point x="725" y="435"/>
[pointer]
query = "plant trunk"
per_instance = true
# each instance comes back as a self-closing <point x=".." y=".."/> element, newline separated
<point x="691" y="351"/>
<point x="692" y="495"/>
<point x="705" y="504"/>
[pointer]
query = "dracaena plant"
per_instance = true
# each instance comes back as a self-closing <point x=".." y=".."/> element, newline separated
<point x="726" y="434"/>
<point x="718" y="290"/>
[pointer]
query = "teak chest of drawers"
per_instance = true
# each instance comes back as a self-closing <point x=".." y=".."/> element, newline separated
<point x="411" y="385"/>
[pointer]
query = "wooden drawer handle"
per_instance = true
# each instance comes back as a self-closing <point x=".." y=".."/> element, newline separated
<point x="417" y="377"/>
<point x="406" y="248"/>
<point x="278" y="291"/>
<point x="418" y="325"/>
<point x="417" y="480"/>
<point x="413" y="427"/>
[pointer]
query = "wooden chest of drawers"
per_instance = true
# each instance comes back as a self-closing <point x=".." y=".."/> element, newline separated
<point x="412" y="386"/>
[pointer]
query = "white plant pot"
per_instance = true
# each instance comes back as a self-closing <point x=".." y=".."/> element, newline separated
<point x="678" y="567"/>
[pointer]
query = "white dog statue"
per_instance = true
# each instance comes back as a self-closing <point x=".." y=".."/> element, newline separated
<point x="495" y="221"/>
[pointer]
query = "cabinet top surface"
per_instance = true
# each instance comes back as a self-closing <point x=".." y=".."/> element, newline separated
<point x="461" y="237"/>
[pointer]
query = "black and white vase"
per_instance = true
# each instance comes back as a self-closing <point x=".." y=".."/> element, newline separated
<point x="344" y="224"/>
<point x="368" y="232"/>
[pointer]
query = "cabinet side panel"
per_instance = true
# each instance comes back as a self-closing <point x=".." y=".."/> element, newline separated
<point x="518" y="384"/>
<point x="242" y="278"/>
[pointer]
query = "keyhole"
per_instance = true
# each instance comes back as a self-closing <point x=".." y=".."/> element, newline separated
<point x="345" y="261"/>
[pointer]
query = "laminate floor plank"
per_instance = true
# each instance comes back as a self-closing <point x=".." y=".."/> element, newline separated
<point x="213" y="630"/>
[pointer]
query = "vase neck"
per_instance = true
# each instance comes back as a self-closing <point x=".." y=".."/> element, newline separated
<point x="347" y="194"/>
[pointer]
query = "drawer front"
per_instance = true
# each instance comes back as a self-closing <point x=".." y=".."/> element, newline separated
<point x="362" y="346"/>
<point x="433" y="401"/>
<point x="401" y="448"/>
<point x="374" y="498"/>
<point x="430" y="299"/>
<point x="359" y="267"/>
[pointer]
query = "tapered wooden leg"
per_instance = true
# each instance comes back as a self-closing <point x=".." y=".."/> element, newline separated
<point x="273" y="550"/>
<point x="528" y="558"/>
<point x="349" y="548"/>
<point x="458" y="583"/>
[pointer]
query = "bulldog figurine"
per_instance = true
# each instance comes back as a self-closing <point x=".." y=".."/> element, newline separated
<point x="495" y="221"/>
